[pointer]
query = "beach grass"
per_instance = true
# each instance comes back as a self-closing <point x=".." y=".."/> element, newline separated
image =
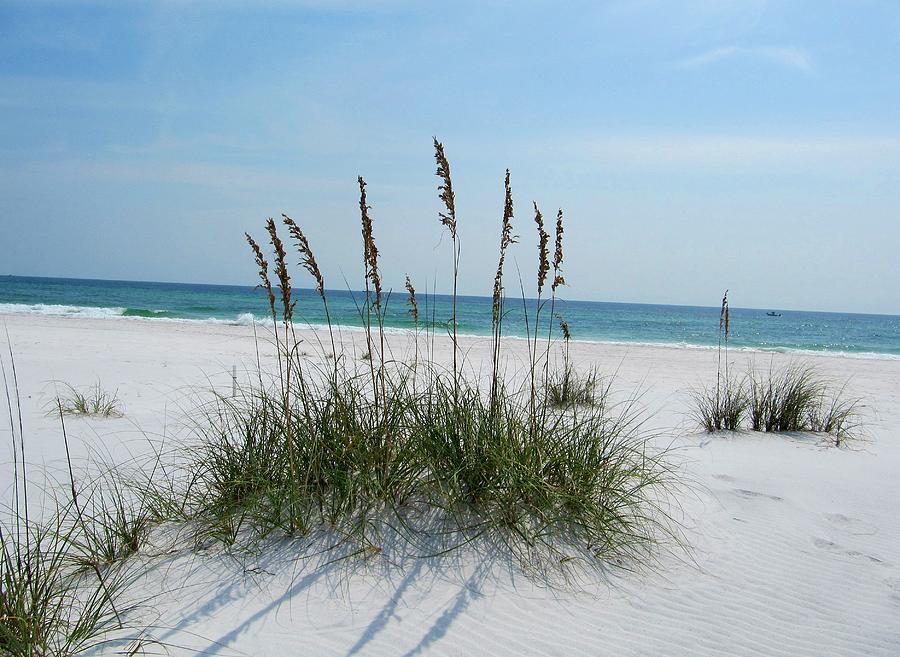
<point x="567" y="386"/>
<point x="721" y="407"/>
<point x="551" y="470"/>
<point x="796" y="398"/>
<point x="793" y="398"/>
<point x="837" y="414"/>
<point x="95" y="401"/>
<point x="50" y="604"/>
<point x="46" y="606"/>
<point x="359" y="446"/>
<point x="573" y="478"/>
<point x="113" y="524"/>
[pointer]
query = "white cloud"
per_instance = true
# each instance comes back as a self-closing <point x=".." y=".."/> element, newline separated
<point x="787" y="56"/>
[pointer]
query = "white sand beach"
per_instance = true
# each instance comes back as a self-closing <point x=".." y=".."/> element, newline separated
<point x="792" y="545"/>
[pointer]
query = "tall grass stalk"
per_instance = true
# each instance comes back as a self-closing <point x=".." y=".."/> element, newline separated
<point x="558" y="280"/>
<point x="723" y="338"/>
<point x="542" y="270"/>
<point x="497" y="300"/>
<point x="448" y="220"/>
<point x="413" y="311"/>
<point x="724" y="407"/>
<point x="373" y="277"/>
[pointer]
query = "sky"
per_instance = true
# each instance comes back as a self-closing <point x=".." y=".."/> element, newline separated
<point x="693" y="145"/>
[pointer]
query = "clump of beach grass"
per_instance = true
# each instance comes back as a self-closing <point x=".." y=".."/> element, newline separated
<point x="783" y="400"/>
<point x="568" y="387"/>
<point x="95" y="401"/>
<point x="579" y="485"/>
<point x="565" y="386"/>
<point x="359" y="449"/>
<point x="793" y="398"/>
<point x="797" y="398"/>
<point x="838" y="415"/>
<point x="113" y="524"/>
<point x="725" y="411"/>
<point x="48" y="604"/>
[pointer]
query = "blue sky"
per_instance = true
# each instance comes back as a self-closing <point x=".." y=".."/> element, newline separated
<point x="693" y="145"/>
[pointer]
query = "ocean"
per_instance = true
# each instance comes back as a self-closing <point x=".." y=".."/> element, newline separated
<point x="874" y="336"/>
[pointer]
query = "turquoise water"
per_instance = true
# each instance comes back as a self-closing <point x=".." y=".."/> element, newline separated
<point x="852" y="334"/>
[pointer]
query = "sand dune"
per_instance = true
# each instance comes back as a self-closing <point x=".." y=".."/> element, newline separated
<point x="793" y="545"/>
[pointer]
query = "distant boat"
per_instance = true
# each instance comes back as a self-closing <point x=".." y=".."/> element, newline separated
<point x="772" y="313"/>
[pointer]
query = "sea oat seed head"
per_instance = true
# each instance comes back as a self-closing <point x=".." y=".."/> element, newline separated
<point x="506" y="238"/>
<point x="543" y="252"/>
<point x="446" y="195"/>
<point x="263" y="265"/>
<point x="411" y="299"/>
<point x="307" y="259"/>
<point x="558" y="253"/>
<point x="370" y="251"/>
<point x="722" y="311"/>
<point x="284" y="279"/>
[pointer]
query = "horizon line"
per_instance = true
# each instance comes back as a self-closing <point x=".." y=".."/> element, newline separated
<point x="440" y="294"/>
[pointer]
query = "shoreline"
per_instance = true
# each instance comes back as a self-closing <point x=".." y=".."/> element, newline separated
<point x="248" y="320"/>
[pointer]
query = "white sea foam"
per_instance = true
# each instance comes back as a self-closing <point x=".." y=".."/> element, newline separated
<point x="59" y="310"/>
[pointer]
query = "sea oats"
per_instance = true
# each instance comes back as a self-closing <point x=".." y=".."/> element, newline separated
<point x="370" y="251"/>
<point x="543" y="251"/>
<point x="307" y="259"/>
<point x="263" y="265"/>
<point x="448" y="218"/>
<point x="411" y="300"/>
<point x="506" y="238"/>
<point x="281" y="271"/>
<point x="558" y="253"/>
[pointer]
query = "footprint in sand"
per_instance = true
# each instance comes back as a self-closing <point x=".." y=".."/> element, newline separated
<point x="743" y="492"/>
<point x="831" y="546"/>
<point x="850" y="525"/>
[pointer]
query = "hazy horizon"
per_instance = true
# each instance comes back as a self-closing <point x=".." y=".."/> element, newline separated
<point x="401" y="294"/>
<point x="693" y="146"/>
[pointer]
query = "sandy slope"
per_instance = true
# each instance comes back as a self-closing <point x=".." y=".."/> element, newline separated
<point x="795" y="546"/>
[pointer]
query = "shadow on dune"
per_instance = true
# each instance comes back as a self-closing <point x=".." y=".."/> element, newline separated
<point x="208" y="589"/>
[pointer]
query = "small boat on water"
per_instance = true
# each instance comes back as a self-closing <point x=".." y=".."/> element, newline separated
<point x="772" y="313"/>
